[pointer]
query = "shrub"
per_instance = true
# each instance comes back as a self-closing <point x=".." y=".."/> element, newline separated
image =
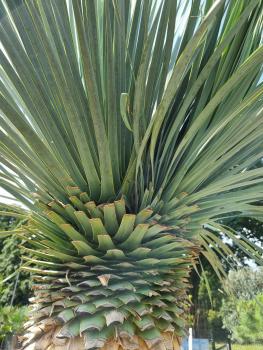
<point x="244" y="319"/>
<point x="12" y="320"/>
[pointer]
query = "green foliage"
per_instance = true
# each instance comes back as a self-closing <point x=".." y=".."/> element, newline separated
<point x="239" y="312"/>
<point x="209" y="290"/>
<point x="242" y="311"/>
<point x="7" y="222"/>
<point x="12" y="320"/>
<point x="244" y="319"/>
<point x="248" y="227"/>
<point x="245" y="283"/>
<point x="242" y="346"/>
<point x="247" y="347"/>
<point x="16" y="289"/>
<point x="207" y="304"/>
<point x="213" y="318"/>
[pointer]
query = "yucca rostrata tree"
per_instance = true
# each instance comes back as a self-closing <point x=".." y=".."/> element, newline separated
<point x="128" y="129"/>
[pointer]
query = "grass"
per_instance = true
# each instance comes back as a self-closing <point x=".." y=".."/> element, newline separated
<point x="245" y="347"/>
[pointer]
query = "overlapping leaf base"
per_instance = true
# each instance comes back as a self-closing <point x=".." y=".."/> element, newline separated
<point x="106" y="275"/>
<point x="51" y="342"/>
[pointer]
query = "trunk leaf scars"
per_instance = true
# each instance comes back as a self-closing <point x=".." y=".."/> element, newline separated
<point x="122" y="282"/>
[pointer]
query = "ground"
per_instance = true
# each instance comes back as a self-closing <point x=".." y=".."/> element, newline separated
<point x="245" y="347"/>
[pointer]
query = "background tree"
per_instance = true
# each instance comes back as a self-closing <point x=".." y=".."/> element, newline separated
<point x="7" y="222"/>
<point x="14" y="284"/>
<point x="250" y="228"/>
<point x="245" y="283"/>
<point x="208" y="293"/>
<point x="16" y="289"/>
<point x="232" y="308"/>
<point x="244" y="319"/>
<point x="242" y="311"/>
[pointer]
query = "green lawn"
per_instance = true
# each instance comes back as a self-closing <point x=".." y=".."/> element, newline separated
<point x="245" y="347"/>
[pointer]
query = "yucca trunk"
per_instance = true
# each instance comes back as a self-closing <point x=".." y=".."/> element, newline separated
<point x="119" y="281"/>
<point x="49" y="342"/>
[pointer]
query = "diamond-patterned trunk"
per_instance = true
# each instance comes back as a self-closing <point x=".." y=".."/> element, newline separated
<point x="106" y="279"/>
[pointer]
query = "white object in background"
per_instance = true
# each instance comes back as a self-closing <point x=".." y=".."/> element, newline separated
<point x="190" y="341"/>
